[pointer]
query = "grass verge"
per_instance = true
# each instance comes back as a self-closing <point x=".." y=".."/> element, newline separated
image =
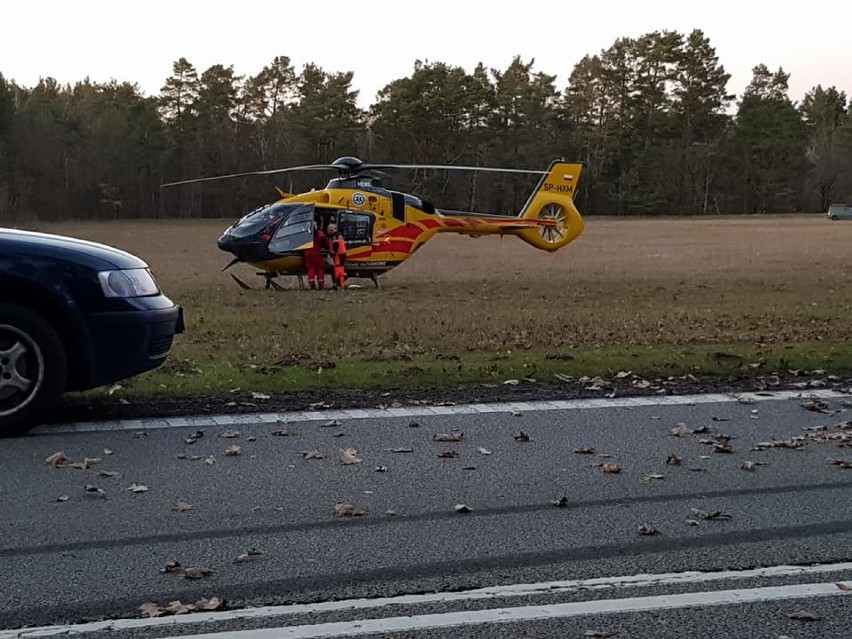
<point x="181" y="377"/>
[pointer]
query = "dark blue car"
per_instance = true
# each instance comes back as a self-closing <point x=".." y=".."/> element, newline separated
<point x="73" y="315"/>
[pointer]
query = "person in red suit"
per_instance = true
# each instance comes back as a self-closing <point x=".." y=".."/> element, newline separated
<point x="336" y="247"/>
<point x="314" y="262"/>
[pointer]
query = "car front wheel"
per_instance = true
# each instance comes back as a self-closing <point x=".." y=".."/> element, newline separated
<point x="33" y="368"/>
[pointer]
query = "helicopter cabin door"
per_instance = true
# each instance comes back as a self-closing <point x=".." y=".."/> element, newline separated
<point x="296" y="232"/>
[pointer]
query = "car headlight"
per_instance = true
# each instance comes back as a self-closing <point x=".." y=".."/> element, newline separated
<point x="135" y="282"/>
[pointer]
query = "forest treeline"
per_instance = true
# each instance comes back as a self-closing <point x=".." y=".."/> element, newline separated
<point x="650" y="117"/>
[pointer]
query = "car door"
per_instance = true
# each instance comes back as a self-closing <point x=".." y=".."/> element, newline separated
<point x="296" y="233"/>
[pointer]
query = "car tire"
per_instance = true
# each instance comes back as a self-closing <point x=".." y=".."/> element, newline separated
<point x="33" y="369"/>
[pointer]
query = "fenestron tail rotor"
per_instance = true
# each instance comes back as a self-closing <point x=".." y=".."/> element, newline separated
<point x="554" y="231"/>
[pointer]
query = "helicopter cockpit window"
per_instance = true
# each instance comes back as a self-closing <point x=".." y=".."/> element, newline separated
<point x="297" y="230"/>
<point x="259" y="220"/>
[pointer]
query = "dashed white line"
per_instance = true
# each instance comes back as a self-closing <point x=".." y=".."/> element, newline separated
<point x="360" y="627"/>
<point x="492" y="592"/>
<point x="424" y="411"/>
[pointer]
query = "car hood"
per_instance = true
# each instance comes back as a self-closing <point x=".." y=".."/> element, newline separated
<point x="66" y="248"/>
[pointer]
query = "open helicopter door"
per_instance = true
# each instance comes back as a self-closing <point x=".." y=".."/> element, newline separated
<point x="296" y="232"/>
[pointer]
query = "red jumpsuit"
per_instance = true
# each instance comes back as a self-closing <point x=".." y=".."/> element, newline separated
<point x="337" y="250"/>
<point x="314" y="262"/>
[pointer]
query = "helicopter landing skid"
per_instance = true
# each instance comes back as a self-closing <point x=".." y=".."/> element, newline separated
<point x="270" y="282"/>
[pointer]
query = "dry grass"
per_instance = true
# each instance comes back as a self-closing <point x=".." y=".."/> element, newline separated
<point x="625" y="282"/>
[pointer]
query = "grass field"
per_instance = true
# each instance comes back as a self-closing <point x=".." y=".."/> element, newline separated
<point x="658" y="296"/>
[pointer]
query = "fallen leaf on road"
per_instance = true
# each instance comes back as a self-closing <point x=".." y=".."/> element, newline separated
<point x="585" y="451"/>
<point x="249" y="554"/>
<point x="673" y="460"/>
<point x="210" y="460"/>
<point x="653" y="477"/>
<point x="197" y="572"/>
<point x="721" y="419"/>
<point x="840" y="463"/>
<point x="57" y="460"/>
<point x="94" y="490"/>
<point x="348" y="510"/>
<point x="214" y="603"/>
<point x="717" y="515"/>
<point x="462" y="508"/>
<point x="522" y="437"/>
<point x="804" y="615"/>
<point x="150" y="609"/>
<point x="62" y="498"/>
<point x="648" y="531"/>
<point x="483" y="451"/>
<point x="171" y="566"/>
<point x="140" y="434"/>
<point x="86" y="463"/>
<point x="110" y="474"/>
<point x="680" y="430"/>
<point x="260" y="396"/>
<point x="400" y="450"/>
<point x="194" y="437"/>
<point x="234" y="451"/>
<point x="692" y="522"/>
<point x="281" y="433"/>
<point x="381" y="469"/>
<point x="179" y="608"/>
<point x="517" y="413"/>
<point x="349" y="456"/>
<point x="597" y="633"/>
<point x="311" y="454"/>
<point x="448" y="454"/>
<point x="181" y="506"/>
<point x="230" y="434"/>
<point x="138" y="488"/>
<point x="843" y="587"/>
<point x="722" y="444"/>
<point x="334" y="423"/>
<point x="749" y="465"/>
<point x="107" y="452"/>
<point x="562" y="502"/>
<point x="448" y="437"/>
<point x="816" y="406"/>
<point x="611" y="469"/>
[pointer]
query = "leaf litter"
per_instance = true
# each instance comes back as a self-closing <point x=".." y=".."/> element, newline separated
<point x="349" y="456"/>
<point x="448" y="437"/>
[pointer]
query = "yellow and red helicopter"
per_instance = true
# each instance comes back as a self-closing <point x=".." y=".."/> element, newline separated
<point x="383" y="228"/>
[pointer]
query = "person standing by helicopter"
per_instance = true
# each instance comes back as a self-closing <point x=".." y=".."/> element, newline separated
<point x="314" y="262"/>
<point x="336" y="247"/>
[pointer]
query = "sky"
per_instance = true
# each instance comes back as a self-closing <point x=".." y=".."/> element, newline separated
<point x="380" y="40"/>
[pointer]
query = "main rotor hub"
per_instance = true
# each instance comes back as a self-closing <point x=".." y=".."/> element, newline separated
<point x="348" y="165"/>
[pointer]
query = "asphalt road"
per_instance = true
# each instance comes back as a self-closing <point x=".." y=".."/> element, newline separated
<point x="99" y="555"/>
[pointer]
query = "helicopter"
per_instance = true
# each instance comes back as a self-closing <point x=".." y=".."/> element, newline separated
<point x="382" y="228"/>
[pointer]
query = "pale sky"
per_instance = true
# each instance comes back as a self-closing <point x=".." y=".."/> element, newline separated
<point x="379" y="40"/>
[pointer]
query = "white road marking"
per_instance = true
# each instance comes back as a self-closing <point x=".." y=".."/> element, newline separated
<point x="492" y="592"/>
<point x="197" y="421"/>
<point x="533" y="613"/>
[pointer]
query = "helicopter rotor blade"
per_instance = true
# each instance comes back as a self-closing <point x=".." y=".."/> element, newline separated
<point x="441" y="167"/>
<point x="307" y="167"/>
